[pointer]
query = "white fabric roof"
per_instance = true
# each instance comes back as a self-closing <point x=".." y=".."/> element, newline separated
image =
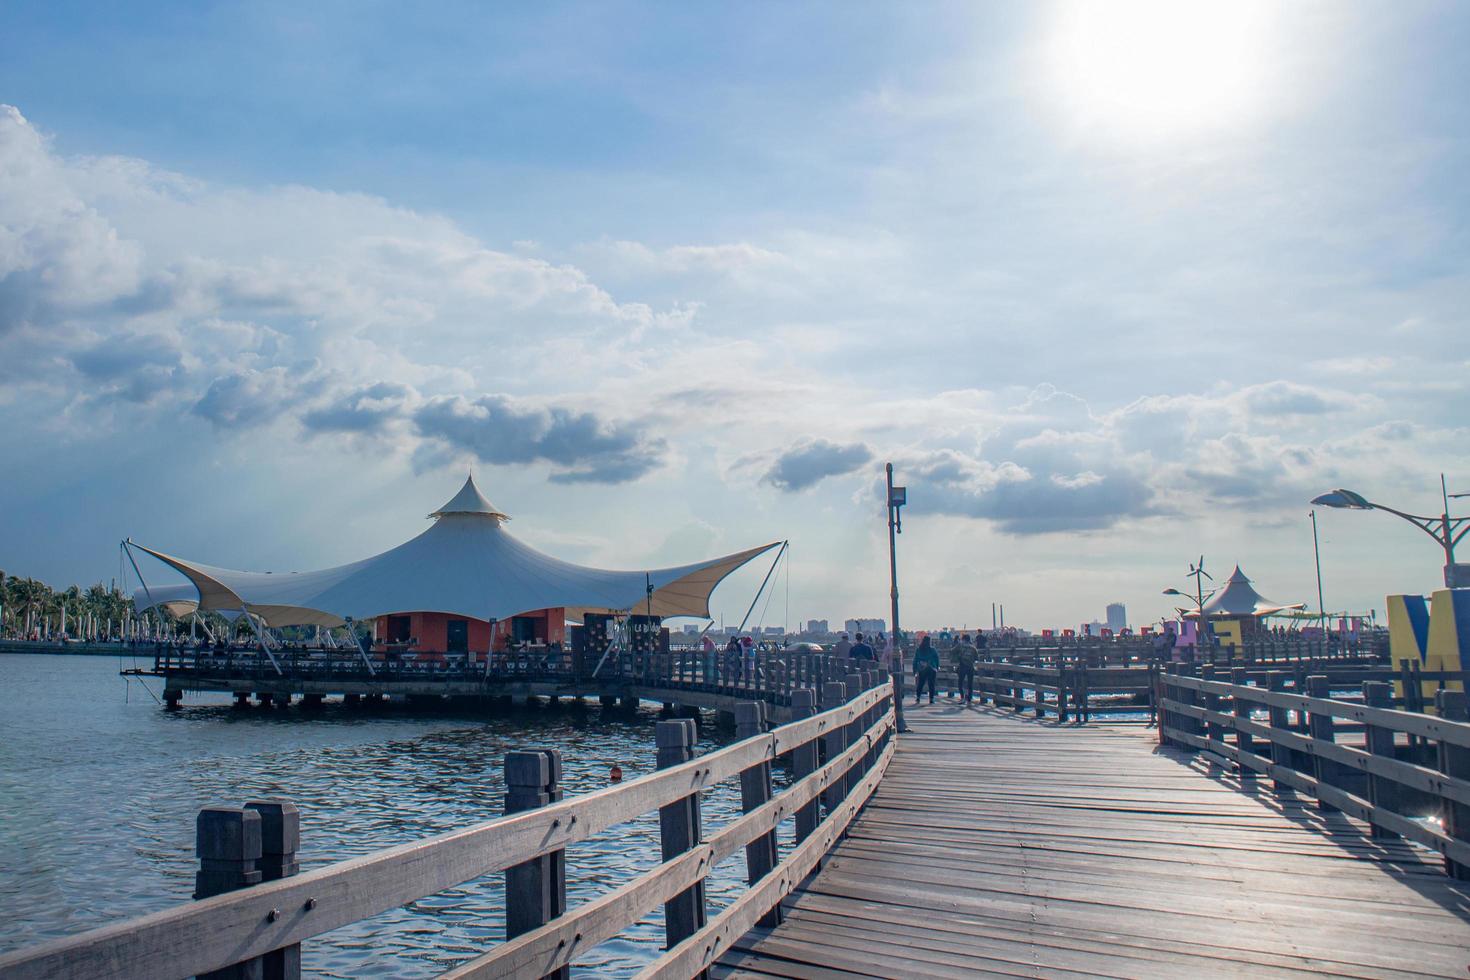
<point x="176" y="600"/>
<point x="1239" y="598"/>
<point x="465" y="564"/>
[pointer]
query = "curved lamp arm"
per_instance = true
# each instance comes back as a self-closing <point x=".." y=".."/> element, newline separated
<point x="1448" y="538"/>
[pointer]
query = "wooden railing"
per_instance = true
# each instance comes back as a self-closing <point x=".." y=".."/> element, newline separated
<point x="1077" y="688"/>
<point x="770" y="676"/>
<point x="1405" y="774"/>
<point x="838" y="757"/>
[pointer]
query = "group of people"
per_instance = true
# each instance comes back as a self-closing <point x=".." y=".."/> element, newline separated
<point x="963" y="654"/>
<point x="861" y="649"/>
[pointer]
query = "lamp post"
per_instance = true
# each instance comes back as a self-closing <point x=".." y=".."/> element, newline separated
<point x="897" y="497"/>
<point x="1317" y="554"/>
<point x="1201" y="622"/>
<point x="1444" y="529"/>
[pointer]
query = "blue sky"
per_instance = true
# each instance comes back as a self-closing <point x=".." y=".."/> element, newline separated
<point x="1111" y="285"/>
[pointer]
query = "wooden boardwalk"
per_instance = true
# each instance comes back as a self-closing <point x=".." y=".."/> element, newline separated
<point x="1003" y="846"/>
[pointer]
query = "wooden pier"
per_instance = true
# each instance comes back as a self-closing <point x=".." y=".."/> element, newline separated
<point x="1002" y="846"/>
<point x="1268" y="825"/>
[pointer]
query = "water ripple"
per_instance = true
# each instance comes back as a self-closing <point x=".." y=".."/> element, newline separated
<point x="99" y="789"/>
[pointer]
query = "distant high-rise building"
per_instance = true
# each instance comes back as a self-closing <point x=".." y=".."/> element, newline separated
<point x="817" y="626"/>
<point x="1117" y="617"/>
<point x="865" y="625"/>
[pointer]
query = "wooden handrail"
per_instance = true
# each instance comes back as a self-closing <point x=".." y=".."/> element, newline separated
<point x="1369" y="781"/>
<point x="566" y="937"/>
<point x="702" y="949"/>
<point x="1407" y="722"/>
<point x="216" y="932"/>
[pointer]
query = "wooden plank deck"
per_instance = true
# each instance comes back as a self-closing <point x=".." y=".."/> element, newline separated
<point x="1001" y="846"/>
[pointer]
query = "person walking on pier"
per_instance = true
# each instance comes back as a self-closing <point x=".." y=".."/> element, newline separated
<point x="965" y="655"/>
<point x="926" y="670"/>
<point x="843" y="649"/>
<point x="734" y="659"/>
<point x="861" y="650"/>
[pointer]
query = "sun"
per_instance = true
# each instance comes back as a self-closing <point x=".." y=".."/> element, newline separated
<point x="1160" y="67"/>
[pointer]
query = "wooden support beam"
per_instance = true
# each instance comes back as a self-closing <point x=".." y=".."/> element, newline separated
<point x="227" y="841"/>
<point x="1454" y="760"/>
<point x="1382" y="792"/>
<point x="834" y="743"/>
<point x="1321" y="726"/>
<point x="280" y="839"/>
<point x="804" y="760"/>
<point x="1241" y="708"/>
<point x="680" y="831"/>
<point x="1281" y="755"/>
<point x="535" y="890"/>
<point x="755" y="790"/>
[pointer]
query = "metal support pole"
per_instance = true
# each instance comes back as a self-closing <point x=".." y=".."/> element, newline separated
<point x="896" y="667"/>
<point x="357" y="641"/>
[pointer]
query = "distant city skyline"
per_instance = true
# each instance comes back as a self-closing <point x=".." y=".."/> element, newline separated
<point x="1109" y="290"/>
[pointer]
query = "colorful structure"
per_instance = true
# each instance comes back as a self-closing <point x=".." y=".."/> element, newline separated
<point x="1237" y="609"/>
<point x="1433" y="634"/>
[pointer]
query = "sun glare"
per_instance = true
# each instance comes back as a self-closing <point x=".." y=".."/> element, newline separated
<point x="1160" y="67"/>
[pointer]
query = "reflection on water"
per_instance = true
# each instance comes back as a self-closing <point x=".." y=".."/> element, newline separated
<point x="99" y="788"/>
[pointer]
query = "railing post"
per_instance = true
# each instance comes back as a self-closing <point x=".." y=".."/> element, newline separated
<point x="1281" y="755"/>
<point x="1382" y="791"/>
<point x="755" y="789"/>
<point x="834" y="743"/>
<point x="227" y="841"/>
<point x="1241" y="708"/>
<point x="679" y="830"/>
<point x="535" y="890"/>
<point x="280" y="839"/>
<point x="855" y="729"/>
<point x="1211" y="702"/>
<point x="1164" y="691"/>
<point x="1064" y="676"/>
<point x="1082" y="691"/>
<point x="1454" y="760"/>
<point x="1154" y="690"/>
<point x="804" y="760"/>
<point x="1320" y="727"/>
<point x="1188" y="695"/>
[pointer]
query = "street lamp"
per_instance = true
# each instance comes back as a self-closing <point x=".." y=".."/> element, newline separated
<point x="1201" y="625"/>
<point x="897" y="497"/>
<point x="1444" y="529"/>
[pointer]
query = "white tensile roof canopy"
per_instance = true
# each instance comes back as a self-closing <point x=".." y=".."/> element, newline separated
<point x="465" y="564"/>
<point x="1239" y="600"/>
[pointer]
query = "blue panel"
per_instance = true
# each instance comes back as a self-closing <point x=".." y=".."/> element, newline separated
<point x="1417" y="606"/>
<point x="1460" y="603"/>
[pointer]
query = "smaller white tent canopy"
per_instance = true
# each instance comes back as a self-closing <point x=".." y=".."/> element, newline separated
<point x="1239" y="600"/>
<point x="176" y="600"/>
<point x="465" y="564"/>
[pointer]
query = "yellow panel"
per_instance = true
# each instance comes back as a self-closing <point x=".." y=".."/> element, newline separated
<point x="1228" y="630"/>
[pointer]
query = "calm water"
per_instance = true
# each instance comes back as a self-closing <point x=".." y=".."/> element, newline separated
<point x="99" y="787"/>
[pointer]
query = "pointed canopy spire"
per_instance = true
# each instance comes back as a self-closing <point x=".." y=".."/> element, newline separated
<point x="470" y="500"/>
<point x="1239" y="599"/>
